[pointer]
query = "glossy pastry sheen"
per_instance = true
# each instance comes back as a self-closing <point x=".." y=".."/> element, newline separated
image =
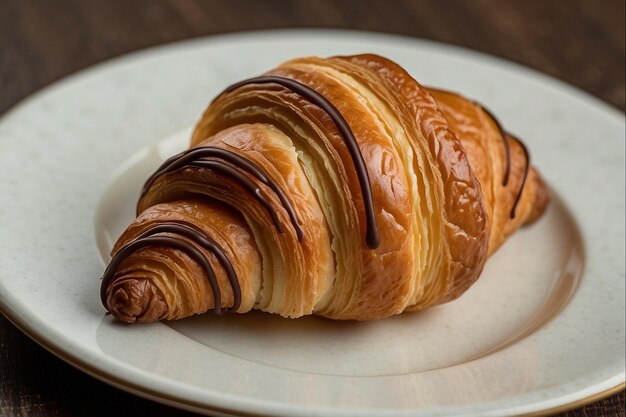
<point x="339" y="187"/>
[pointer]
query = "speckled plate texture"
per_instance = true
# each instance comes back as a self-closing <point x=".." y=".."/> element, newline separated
<point x="542" y="329"/>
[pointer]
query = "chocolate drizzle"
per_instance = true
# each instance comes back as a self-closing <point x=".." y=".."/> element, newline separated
<point x="193" y="157"/>
<point x="372" y="236"/>
<point x="505" y="142"/>
<point x="526" y="168"/>
<point x="189" y="231"/>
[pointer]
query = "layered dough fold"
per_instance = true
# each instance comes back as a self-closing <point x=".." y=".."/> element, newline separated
<point x="448" y="186"/>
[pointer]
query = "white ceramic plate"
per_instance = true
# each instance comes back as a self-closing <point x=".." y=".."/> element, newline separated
<point x="542" y="328"/>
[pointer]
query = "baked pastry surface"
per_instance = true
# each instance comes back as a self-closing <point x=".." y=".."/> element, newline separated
<point x="339" y="187"/>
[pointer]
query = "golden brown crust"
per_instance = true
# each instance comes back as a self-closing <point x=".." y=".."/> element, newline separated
<point x="295" y="274"/>
<point x="155" y="277"/>
<point x="382" y="274"/>
<point x="435" y="161"/>
<point x="484" y="147"/>
<point x="464" y="217"/>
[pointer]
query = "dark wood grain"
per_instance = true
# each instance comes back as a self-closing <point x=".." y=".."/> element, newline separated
<point x="580" y="42"/>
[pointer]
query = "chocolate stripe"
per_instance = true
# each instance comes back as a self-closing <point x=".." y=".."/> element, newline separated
<point x="505" y="142"/>
<point x="526" y="168"/>
<point x="200" y="237"/>
<point x="190" y="156"/>
<point x="372" y="236"/>
<point x="174" y="242"/>
<point x="243" y="180"/>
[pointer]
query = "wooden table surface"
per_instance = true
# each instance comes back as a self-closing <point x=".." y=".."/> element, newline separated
<point x="580" y="42"/>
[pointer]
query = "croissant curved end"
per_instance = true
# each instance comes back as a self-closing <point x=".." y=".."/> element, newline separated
<point x="542" y="199"/>
<point x="135" y="300"/>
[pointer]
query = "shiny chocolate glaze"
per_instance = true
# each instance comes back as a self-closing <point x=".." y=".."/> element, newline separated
<point x="193" y="157"/>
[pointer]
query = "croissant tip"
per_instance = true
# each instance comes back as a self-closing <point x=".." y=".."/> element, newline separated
<point x="136" y="300"/>
<point x="542" y="200"/>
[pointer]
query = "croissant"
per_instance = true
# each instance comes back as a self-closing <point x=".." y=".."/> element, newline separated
<point x="338" y="187"/>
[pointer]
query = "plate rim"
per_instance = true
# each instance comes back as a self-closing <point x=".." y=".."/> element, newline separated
<point x="38" y="335"/>
<point x="186" y="404"/>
